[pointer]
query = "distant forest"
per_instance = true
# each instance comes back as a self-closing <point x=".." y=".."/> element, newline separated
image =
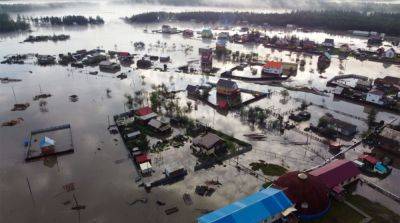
<point x="388" y="23"/>
<point x="7" y="24"/>
<point x="69" y="20"/>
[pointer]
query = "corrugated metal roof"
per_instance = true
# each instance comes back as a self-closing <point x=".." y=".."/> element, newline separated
<point x="336" y="172"/>
<point x="255" y="208"/>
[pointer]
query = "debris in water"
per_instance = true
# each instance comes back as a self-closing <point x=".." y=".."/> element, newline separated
<point x="73" y="98"/>
<point x="41" y="96"/>
<point x="12" y="122"/>
<point x="171" y="210"/>
<point x="20" y="107"/>
<point x="160" y="203"/>
<point x="69" y="187"/>
<point x="187" y="199"/>
<point x="66" y="202"/>
<point x="122" y="76"/>
<point x="142" y="200"/>
<point x="6" y="80"/>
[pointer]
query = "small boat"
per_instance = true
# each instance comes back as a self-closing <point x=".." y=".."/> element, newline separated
<point x="93" y="72"/>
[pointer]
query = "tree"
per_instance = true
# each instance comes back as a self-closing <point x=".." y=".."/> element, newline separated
<point x="371" y="118"/>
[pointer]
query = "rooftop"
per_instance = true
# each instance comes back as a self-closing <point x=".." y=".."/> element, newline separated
<point x="336" y="172"/>
<point x="226" y="83"/>
<point x="273" y="64"/>
<point x="390" y="133"/>
<point x="207" y="141"/>
<point x="255" y="208"/>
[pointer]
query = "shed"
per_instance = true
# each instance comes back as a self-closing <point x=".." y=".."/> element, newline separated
<point x="145" y="168"/>
<point x="264" y="206"/>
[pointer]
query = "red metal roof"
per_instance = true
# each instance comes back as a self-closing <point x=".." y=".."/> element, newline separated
<point x="273" y="64"/>
<point x="336" y="172"/>
<point x="144" y="111"/>
<point x="142" y="159"/>
<point x="369" y="159"/>
<point x="124" y="54"/>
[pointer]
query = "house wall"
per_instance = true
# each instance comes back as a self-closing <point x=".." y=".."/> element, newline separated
<point x="273" y="70"/>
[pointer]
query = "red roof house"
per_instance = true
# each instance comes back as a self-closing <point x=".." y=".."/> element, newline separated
<point x="274" y="68"/>
<point x="142" y="158"/>
<point x="368" y="158"/>
<point x="337" y="173"/>
<point x="145" y="113"/>
<point x="309" y="195"/>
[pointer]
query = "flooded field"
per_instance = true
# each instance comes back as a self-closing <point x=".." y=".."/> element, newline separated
<point x="107" y="187"/>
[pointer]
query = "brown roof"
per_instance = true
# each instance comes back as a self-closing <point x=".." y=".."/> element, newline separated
<point x="308" y="193"/>
<point x="391" y="134"/>
<point x="207" y="141"/>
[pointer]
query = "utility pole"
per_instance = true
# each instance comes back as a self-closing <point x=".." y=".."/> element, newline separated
<point x="30" y="191"/>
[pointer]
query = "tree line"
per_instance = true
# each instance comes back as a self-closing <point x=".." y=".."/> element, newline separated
<point x="388" y="23"/>
<point x="69" y="20"/>
<point x="7" y="24"/>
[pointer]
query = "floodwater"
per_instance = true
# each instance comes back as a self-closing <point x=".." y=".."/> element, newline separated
<point x="106" y="188"/>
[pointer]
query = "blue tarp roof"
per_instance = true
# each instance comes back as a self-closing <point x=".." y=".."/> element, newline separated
<point x="255" y="208"/>
<point x="46" y="142"/>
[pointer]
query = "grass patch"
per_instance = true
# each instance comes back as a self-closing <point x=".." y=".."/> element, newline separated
<point x="340" y="212"/>
<point x="378" y="212"/>
<point x="268" y="168"/>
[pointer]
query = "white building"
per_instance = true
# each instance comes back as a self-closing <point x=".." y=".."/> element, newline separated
<point x="375" y="96"/>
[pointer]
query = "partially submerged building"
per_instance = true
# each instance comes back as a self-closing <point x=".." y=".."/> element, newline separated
<point x="227" y="87"/>
<point x="208" y="143"/>
<point x="206" y="60"/>
<point x="161" y="127"/>
<point x="108" y="66"/>
<point x="330" y="124"/>
<point x="337" y="174"/>
<point x="268" y="205"/>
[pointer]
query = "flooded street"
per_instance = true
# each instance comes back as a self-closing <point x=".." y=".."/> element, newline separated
<point x="107" y="187"/>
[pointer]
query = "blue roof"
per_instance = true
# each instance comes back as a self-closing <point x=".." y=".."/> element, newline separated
<point x="380" y="168"/>
<point x="255" y="208"/>
<point x="46" y="142"/>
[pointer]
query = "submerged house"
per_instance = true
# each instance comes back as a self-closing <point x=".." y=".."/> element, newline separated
<point x="108" y="66"/>
<point x="227" y="87"/>
<point x="268" y="205"/>
<point x="328" y="122"/>
<point x="208" y="143"/>
<point x="206" y="33"/>
<point x="328" y="43"/>
<point x="337" y="174"/>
